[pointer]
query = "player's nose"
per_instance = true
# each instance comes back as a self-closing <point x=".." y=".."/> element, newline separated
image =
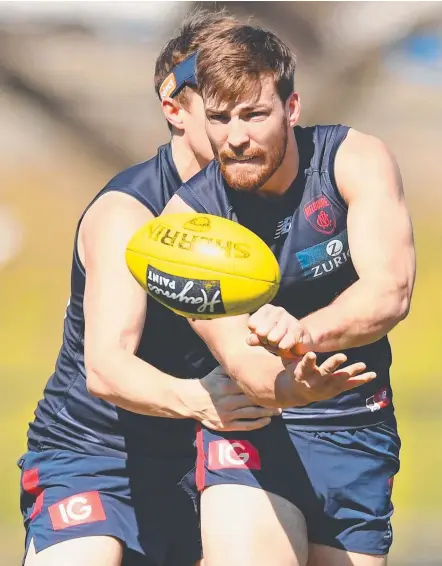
<point x="237" y="135"/>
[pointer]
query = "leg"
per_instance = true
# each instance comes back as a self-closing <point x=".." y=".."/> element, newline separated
<point x="352" y="472"/>
<point x="320" y="555"/>
<point x="80" y="510"/>
<point x="106" y="510"/>
<point x="247" y="526"/>
<point x="87" y="551"/>
<point x="254" y="495"/>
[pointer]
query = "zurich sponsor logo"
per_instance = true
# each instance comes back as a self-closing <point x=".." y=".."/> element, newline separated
<point x="326" y="257"/>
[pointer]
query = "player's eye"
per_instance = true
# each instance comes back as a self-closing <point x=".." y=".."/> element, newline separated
<point x="223" y="118"/>
<point x="258" y="115"/>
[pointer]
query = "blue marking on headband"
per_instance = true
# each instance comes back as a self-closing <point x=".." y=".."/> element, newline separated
<point x="183" y="74"/>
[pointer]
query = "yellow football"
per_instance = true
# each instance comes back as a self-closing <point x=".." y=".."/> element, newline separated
<point x="203" y="266"/>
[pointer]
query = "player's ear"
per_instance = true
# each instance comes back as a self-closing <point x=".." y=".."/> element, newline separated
<point x="293" y="108"/>
<point x="172" y="112"/>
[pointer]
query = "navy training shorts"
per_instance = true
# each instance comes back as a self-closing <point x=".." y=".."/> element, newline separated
<point x="66" y="495"/>
<point x="340" y="480"/>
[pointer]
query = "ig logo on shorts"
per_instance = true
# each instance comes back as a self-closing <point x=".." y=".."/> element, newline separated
<point x="233" y="454"/>
<point x="77" y="510"/>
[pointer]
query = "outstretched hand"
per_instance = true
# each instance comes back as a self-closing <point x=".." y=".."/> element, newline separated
<point x="305" y="382"/>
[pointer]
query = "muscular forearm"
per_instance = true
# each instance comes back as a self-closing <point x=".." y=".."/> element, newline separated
<point x="361" y="315"/>
<point x="132" y="384"/>
<point x="260" y="375"/>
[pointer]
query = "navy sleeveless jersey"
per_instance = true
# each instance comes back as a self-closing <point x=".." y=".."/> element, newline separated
<point x="68" y="416"/>
<point x="306" y="228"/>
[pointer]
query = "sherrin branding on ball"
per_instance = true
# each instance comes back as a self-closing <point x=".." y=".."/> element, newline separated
<point x="203" y="266"/>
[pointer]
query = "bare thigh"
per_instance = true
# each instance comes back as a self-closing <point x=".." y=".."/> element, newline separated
<point x="246" y="526"/>
<point x="320" y="555"/>
<point x="86" y="551"/>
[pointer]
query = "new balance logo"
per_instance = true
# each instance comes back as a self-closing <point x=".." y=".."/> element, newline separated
<point x="283" y="227"/>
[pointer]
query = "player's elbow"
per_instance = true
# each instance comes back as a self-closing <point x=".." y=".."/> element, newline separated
<point x="256" y="382"/>
<point x="403" y="309"/>
<point x="97" y="383"/>
<point x="404" y="294"/>
<point x="262" y="394"/>
<point x="399" y="301"/>
<point x="96" y="386"/>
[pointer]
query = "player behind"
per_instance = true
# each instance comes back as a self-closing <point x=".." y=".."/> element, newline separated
<point x="329" y="202"/>
<point x="99" y="480"/>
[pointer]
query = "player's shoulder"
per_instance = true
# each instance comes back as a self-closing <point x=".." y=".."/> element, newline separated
<point x="152" y="183"/>
<point x="362" y="150"/>
<point x="132" y="192"/>
<point x="357" y="141"/>
<point x="209" y="181"/>
<point x="362" y="160"/>
<point x="320" y="132"/>
<point x="206" y="191"/>
<point x="320" y="142"/>
<point x="210" y="174"/>
<point x="137" y="175"/>
<point x="352" y="138"/>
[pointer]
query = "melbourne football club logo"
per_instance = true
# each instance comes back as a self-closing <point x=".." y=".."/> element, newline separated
<point x="319" y="213"/>
<point x="192" y="296"/>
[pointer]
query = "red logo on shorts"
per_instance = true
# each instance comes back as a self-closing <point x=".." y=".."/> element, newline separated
<point x="319" y="213"/>
<point x="76" y="510"/>
<point x="239" y="454"/>
<point x="378" y="401"/>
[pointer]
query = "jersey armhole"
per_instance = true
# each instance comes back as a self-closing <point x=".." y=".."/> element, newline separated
<point x="339" y="137"/>
<point x="134" y="195"/>
<point x="186" y="194"/>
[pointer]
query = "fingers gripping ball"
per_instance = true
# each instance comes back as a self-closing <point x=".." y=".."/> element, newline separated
<point x="203" y="266"/>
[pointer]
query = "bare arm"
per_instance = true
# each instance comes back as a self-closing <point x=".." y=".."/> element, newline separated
<point x="268" y="380"/>
<point x="115" y="309"/>
<point x="265" y="378"/>
<point x="260" y="374"/>
<point x="255" y="370"/>
<point x="381" y="244"/>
